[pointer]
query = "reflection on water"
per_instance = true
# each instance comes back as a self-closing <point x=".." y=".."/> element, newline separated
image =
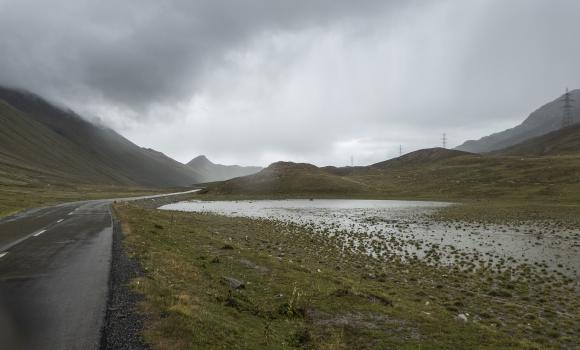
<point x="402" y="228"/>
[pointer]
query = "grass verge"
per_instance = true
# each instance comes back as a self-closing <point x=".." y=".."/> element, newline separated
<point x="17" y="198"/>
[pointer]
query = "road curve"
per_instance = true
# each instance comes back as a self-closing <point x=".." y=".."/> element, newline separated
<point x="54" y="273"/>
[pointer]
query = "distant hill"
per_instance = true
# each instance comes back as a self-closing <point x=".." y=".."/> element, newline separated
<point x="210" y="172"/>
<point x="423" y="157"/>
<point x="402" y="176"/>
<point x="438" y="173"/>
<point x="42" y="143"/>
<point x="420" y="158"/>
<point x="290" y="178"/>
<point x="545" y="119"/>
<point x="560" y="142"/>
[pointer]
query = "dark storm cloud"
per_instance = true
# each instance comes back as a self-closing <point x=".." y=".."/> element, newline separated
<point x="254" y="81"/>
<point x="136" y="53"/>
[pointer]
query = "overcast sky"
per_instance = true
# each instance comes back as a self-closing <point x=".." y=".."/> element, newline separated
<point x="255" y="81"/>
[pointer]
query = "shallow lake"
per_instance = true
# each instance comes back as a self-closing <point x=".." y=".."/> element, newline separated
<point x="404" y="228"/>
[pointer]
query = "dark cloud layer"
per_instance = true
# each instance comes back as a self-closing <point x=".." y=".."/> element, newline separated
<point x="137" y="53"/>
<point x="253" y="81"/>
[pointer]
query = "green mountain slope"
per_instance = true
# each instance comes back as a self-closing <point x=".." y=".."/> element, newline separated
<point x="40" y="143"/>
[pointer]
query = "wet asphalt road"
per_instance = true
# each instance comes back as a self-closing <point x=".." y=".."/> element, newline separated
<point x="54" y="273"/>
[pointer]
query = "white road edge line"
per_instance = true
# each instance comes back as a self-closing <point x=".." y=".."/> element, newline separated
<point x="39" y="233"/>
<point x="59" y="221"/>
<point x="3" y="254"/>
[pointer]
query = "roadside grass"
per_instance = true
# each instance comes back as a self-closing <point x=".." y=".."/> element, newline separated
<point x="14" y="199"/>
<point x="302" y="290"/>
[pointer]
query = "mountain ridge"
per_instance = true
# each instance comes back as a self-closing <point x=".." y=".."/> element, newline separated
<point x="41" y="142"/>
<point x="564" y="141"/>
<point x="211" y="172"/>
<point x="545" y="119"/>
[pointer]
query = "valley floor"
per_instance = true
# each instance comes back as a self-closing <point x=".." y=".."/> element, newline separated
<point x="219" y="282"/>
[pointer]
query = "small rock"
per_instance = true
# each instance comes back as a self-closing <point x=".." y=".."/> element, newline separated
<point x="371" y="276"/>
<point x="247" y="263"/>
<point x="461" y="317"/>
<point x="234" y="283"/>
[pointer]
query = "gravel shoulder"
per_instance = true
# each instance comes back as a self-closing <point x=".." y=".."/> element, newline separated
<point x="123" y="323"/>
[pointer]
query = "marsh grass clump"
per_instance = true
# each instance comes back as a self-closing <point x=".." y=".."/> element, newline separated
<point x="292" y="308"/>
<point x="301" y="338"/>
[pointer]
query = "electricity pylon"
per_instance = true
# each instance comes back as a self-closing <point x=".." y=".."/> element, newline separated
<point x="567" y="118"/>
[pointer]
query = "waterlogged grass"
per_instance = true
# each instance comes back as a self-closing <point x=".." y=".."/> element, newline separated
<point x="513" y="213"/>
<point x="304" y="290"/>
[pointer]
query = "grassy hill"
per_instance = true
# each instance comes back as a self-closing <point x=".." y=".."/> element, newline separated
<point x="560" y="142"/>
<point x="424" y="156"/>
<point x="283" y="178"/>
<point x="426" y="174"/>
<point x="470" y="177"/>
<point x="41" y="143"/>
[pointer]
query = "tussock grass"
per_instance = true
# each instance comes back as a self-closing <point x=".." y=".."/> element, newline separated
<point x="514" y="213"/>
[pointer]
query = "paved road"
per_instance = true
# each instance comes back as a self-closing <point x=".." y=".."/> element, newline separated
<point x="54" y="273"/>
